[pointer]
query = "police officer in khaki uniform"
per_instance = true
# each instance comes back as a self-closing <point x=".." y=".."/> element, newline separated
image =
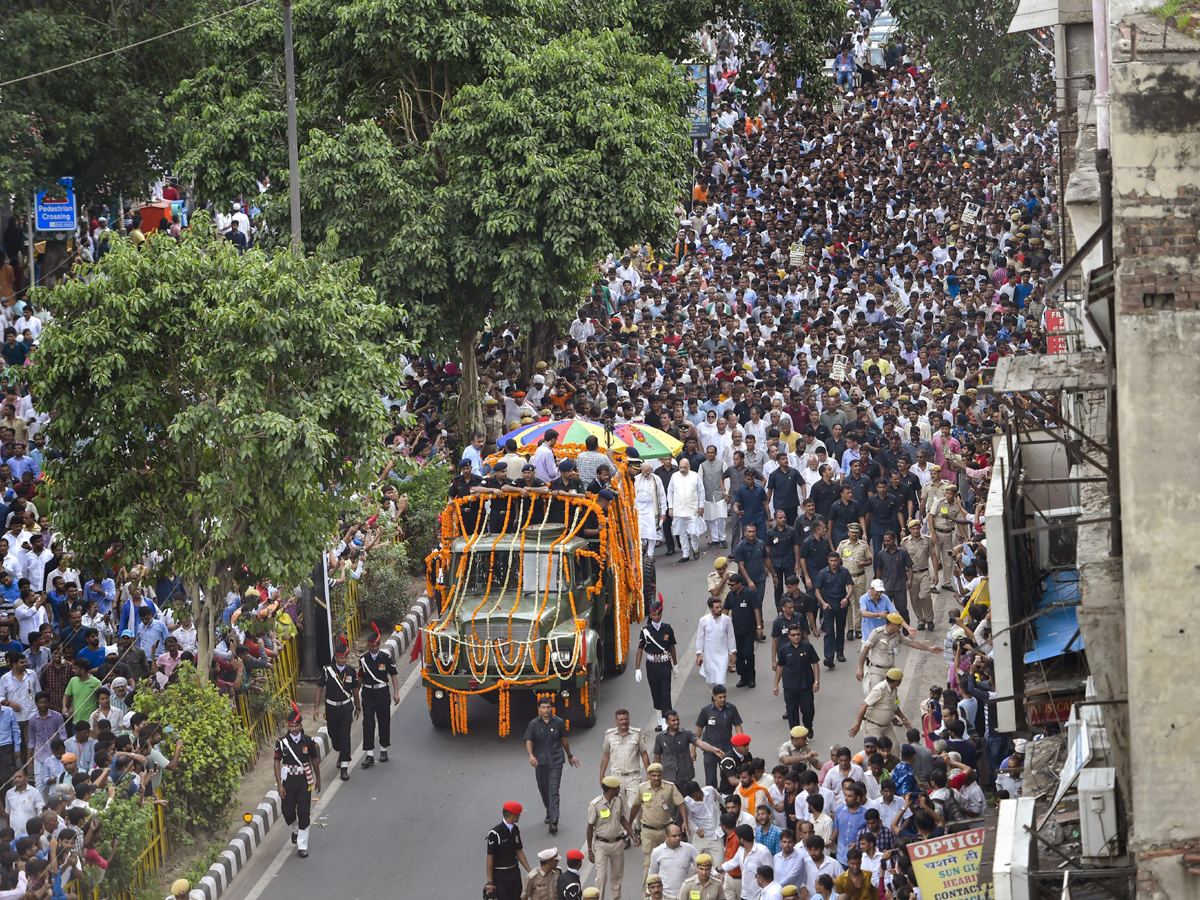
<point x="493" y="423"/>
<point x="796" y="751"/>
<point x="656" y="800"/>
<point x="701" y="886"/>
<point x="945" y="513"/>
<point x="920" y="549"/>
<point x="608" y="826"/>
<point x="856" y="557"/>
<point x="881" y="710"/>
<point x="933" y="491"/>
<point x="542" y="882"/>
<point x="879" y="651"/>
<point x="623" y="753"/>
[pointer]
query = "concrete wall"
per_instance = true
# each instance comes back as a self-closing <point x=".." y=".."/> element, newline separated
<point x="1156" y="199"/>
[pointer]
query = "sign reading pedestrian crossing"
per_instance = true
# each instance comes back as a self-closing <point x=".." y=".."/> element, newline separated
<point x="54" y="210"/>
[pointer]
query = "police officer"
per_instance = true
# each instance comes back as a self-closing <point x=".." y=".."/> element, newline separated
<point x="879" y="651"/>
<point x="657" y="801"/>
<point x="799" y="667"/>
<point x="921" y="550"/>
<point x="464" y="485"/>
<point x="880" y="710"/>
<point x="717" y="724"/>
<point x="542" y="883"/>
<point x="297" y="777"/>
<point x="375" y="669"/>
<point x="856" y="556"/>
<point x="504" y="853"/>
<point x="338" y="683"/>
<point x="945" y="514"/>
<point x="623" y="754"/>
<point x="493" y="486"/>
<point x="701" y="886"/>
<point x="608" y="826"/>
<point x="657" y="642"/>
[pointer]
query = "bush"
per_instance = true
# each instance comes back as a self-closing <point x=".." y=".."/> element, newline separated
<point x="381" y="592"/>
<point x="130" y="825"/>
<point x="426" y="489"/>
<point x="214" y="747"/>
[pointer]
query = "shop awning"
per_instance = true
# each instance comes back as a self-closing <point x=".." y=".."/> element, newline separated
<point x="1057" y="629"/>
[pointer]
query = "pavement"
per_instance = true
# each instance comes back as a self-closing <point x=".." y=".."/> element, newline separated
<point x="415" y="827"/>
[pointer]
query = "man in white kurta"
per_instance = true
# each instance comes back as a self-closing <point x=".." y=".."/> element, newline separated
<point x="650" y="500"/>
<point x="685" y="505"/>
<point x="715" y="644"/>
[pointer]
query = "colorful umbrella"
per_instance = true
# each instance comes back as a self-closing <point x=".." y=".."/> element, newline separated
<point x="650" y="443"/>
<point x="570" y="431"/>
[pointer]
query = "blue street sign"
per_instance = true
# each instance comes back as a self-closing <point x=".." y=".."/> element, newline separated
<point x="56" y="215"/>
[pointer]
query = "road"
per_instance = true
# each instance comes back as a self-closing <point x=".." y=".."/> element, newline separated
<point x="415" y="827"/>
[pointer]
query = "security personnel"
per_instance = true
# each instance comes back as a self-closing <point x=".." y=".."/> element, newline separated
<point x="338" y="683"/>
<point x="375" y="669"/>
<point x="297" y="777"/>
<point x="701" y="886"/>
<point x="656" y="801"/>
<point x="568" y="482"/>
<point x="879" y="651"/>
<point x="493" y="486"/>
<point x="607" y="828"/>
<point x="881" y="709"/>
<point x="623" y="754"/>
<point x="796" y="751"/>
<point x="945" y="513"/>
<point x="717" y="724"/>
<point x="856" y="556"/>
<point x="799" y="667"/>
<point x="463" y="485"/>
<point x="921" y="550"/>
<point x="569" y="887"/>
<point x="732" y="762"/>
<point x="657" y="642"/>
<point x="493" y="423"/>
<point x="542" y="883"/>
<point x="504" y="853"/>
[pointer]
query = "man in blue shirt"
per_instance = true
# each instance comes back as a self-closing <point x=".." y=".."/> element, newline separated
<point x="750" y="503"/>
<point x="849" y="820"/>
<point x="103" y="591"/>
<point x="19" y="463"/>
<point x="152" y="637"/>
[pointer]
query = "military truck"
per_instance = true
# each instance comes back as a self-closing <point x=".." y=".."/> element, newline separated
<point x="535" y="595"/>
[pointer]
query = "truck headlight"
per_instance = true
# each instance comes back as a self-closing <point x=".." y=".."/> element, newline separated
<point x="563" y="657"/>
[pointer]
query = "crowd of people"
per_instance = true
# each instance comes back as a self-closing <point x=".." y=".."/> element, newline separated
<point x="819" y="338"/>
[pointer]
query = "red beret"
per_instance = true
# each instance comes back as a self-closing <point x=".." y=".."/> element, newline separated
<point x="574" y="856"/>
<point x="512" y="807"/>
<point x="740" y="740"/>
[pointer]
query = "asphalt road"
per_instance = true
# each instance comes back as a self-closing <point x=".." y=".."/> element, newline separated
<point x="415" y="827"/>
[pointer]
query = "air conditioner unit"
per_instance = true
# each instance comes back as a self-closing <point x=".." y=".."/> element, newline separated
<point x="1098" y="814"/>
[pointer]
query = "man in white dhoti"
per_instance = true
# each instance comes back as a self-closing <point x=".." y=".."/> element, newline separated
<point x="715" y="646"/>
<point x="685" y="506"/>
<point x="716" y="501"/>
<point x="650" y="500"/>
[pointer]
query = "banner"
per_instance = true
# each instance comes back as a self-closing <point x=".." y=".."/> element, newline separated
<point x="698" y="109"/>
<point x="947" y="868"/>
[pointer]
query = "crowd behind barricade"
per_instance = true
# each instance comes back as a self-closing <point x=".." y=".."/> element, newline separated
<point x="819" y="338"/>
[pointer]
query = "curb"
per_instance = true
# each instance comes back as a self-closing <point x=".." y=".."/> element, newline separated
<point x="251" y="835"/>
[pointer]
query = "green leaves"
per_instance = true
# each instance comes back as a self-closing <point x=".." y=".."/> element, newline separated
<point x="986" y="71"/>
<point x="209" y="402"/>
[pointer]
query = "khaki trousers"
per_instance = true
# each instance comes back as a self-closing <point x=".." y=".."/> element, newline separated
<point x="610" y="867"/>
<point x="920" y="601"/>
<point x="733" y="888"/>
<point x="714" y="847"/>
<point x="629" y="791"/>
<point x="651" y="838"/>
<point x="945" y="543"/>
<point x="854" y="619"/>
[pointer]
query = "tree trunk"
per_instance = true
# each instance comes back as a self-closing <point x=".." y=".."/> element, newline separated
<point x="470" y="410"/>
<point x="54" y="264"/>
<point x="538" y="344"/>
<point x="202" y="617"/>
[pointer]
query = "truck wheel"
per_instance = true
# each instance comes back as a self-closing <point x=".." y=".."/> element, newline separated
<point x="592" y="687"/>
<point x="649" y="580"/>
<point x="439" y="710"/>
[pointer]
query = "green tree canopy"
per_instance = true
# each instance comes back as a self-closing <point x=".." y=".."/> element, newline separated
<point x="478" y="155"/>
<point x="984" y="69"/>
<point x="103" y="122"/>
<point x="209" y="404"/>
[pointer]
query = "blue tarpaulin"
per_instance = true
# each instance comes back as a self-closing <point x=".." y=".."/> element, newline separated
<point x="1057" y="630"/>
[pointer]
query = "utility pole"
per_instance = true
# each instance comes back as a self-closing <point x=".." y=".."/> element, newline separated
<point x="32" y="272"/>
<point x="293" y="143"/>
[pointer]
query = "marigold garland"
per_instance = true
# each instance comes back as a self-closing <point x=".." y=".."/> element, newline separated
<point x="618" y="547"/>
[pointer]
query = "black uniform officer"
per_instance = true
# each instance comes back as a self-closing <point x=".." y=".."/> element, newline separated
<point x="658" y="644"/>
<point x="338" y="682"/>
<point x="505" y="853"/>
<point x="297" y="777"/>
<point x="799" y="667"/>
<point x="715" y="725"/>
<point x="569" y="887"/>
<point x="375" y="670"/>
<point x="493" y="484"/>
<point x="461" y="486"/>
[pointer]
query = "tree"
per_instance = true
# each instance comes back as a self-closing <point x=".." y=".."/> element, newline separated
<point x="984" y="69"/>
<point x="211" y="406"/>
<point x="478" y="155"/>
<point x="103" y="121"/>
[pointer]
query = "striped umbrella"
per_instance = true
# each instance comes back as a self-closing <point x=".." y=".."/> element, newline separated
<point x="570" y="431"/>
<point x="650" y="443"/>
